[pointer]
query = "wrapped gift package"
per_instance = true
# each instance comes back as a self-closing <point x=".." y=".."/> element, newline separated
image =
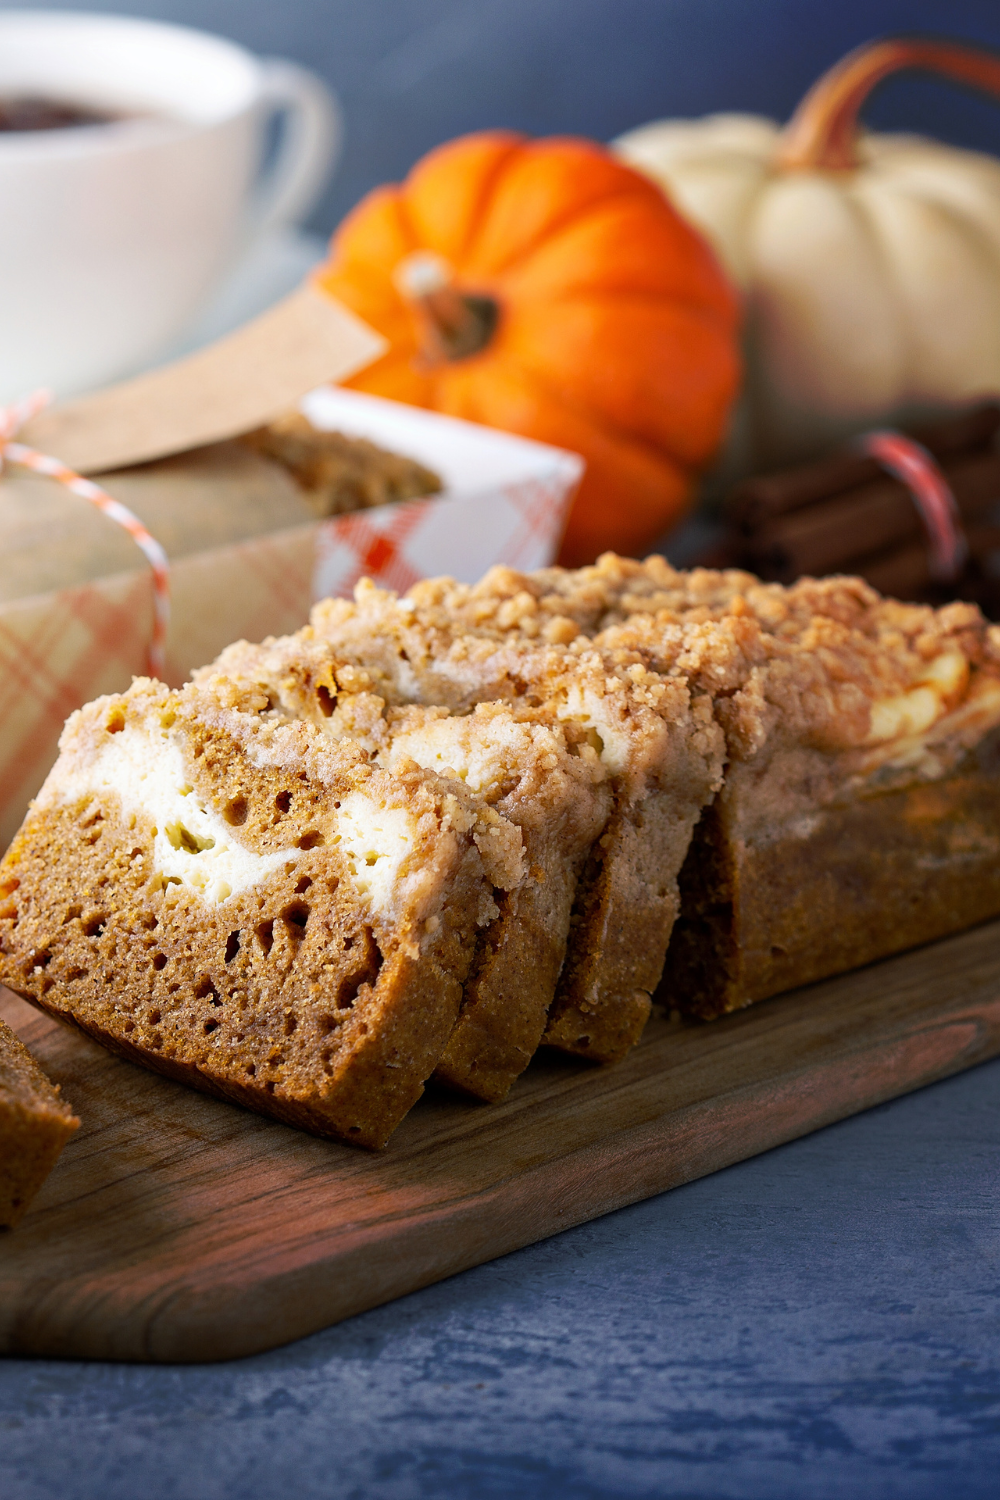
<point x="247" y="558"/>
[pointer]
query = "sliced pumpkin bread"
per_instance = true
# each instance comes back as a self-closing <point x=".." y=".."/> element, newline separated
<point x="860" y="813"/>
<point x="553" y="787"/>
<point x="657" y="740"/>
<point x="251" y="908"/>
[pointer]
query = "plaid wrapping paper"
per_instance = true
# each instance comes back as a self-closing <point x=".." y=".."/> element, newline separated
<point x="59" y="650"/>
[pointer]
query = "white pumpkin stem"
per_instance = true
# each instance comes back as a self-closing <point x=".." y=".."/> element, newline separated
<point x="823" y="131"/>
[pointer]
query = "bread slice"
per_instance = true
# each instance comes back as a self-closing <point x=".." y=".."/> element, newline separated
<point x="250" y="908"/>
<point x="861" y="808"/>
<point x="35" y="1124"/>
<point x="555" y="791"/>
<point x="658" y="742"/>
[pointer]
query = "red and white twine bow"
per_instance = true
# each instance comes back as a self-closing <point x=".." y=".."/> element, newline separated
<point x="12" y="418"/>
<point x="911" y="463"/>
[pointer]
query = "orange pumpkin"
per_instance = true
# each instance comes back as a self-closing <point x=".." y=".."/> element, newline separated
<point x="546" y="288"/>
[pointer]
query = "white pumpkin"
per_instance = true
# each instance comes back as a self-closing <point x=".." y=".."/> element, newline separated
<point x="870" y="263"/>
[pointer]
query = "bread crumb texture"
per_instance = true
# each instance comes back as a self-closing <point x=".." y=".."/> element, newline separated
<point x="337" y="473"/>
<point x="656" y="740"/>
<point x="826" y="662"/>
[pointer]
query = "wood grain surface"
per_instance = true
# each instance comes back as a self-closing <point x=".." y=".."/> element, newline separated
<point x="177" y="1228"/>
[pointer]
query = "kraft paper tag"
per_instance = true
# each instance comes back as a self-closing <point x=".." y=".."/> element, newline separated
<point x="234" y="385"/>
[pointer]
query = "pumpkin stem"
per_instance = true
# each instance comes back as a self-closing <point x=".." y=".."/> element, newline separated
<point x="822" y="132"/>
<point x="453" y="324"/>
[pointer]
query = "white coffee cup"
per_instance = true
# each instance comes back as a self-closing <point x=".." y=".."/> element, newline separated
<point x="112" y="236"/>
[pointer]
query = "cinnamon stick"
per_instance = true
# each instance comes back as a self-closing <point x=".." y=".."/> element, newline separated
<point x="828" y="535"/>
<point x="845" y="514"/>
<point x="760" y="499"/>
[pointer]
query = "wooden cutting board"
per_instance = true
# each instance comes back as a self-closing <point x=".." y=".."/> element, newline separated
<point x="178" y="1228"/>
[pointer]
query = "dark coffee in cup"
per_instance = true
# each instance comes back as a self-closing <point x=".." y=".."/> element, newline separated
<point x="31" y="112"/>
<point x="122" y="207"/>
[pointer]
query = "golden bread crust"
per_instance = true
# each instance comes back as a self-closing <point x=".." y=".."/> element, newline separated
<point x="810" y="660"/>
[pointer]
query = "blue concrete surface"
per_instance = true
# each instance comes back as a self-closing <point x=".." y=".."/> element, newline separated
<point x="820" y="1323"/>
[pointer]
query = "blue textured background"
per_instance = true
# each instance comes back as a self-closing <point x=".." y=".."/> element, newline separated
<point x="412" y="73"/>
<point x="822" y="1322"/>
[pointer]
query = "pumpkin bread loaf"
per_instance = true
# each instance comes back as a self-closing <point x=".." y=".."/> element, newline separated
<point x="544" y="780"/>
<point x="345" y="861"/>
<point x="35" y="1124"/>
<point x="658" y="742"/>
<point x="250" y="908"/>
<point x="860" y="813"/>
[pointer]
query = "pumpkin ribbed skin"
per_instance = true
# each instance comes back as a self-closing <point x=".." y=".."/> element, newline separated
<point x="616" y="330"/>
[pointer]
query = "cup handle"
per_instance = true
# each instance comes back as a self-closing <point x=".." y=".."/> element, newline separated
<point x="310" y="144"/>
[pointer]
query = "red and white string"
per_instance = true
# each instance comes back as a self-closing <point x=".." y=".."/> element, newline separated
<point x="12" y="418"/>
<point x="911" y="463"/>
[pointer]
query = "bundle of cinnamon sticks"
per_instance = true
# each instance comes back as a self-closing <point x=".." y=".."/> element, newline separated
<point x="845" y="514"/>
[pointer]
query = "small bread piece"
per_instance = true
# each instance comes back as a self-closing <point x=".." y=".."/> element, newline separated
<point x="35" y="1125"/>
<point x="557" y="793"/>
<point x="250" y="908"/>
<point x="658" y="742"/>
<point x="336" y="473"/>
